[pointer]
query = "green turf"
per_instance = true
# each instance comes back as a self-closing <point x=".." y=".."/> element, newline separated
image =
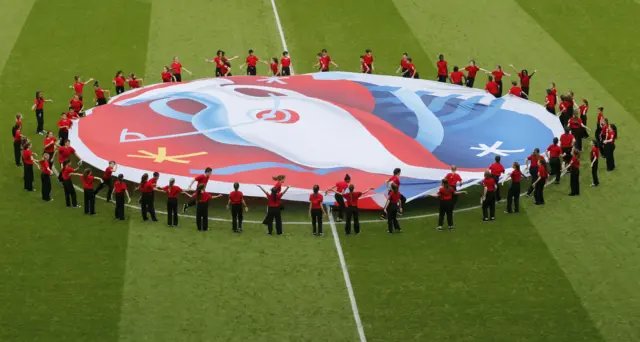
<point x="566" y="272"/>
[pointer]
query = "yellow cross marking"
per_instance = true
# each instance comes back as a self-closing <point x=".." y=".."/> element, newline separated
<point x="162" y="156"/>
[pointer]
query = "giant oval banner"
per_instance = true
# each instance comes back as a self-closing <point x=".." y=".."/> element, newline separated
<point x="314" y="129"/>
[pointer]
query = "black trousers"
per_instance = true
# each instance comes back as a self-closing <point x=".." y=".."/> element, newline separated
<point x="564" y="119"/>
<point x="252" y="71"/>
<point x="470" y="81"/>
<point x="316" y="220"/>
<point x="498" y="188"/>
<point x="392" y="217"/>
<point x="534" y="176"/>
<point x="513" y="197"/>
<point x="191" y="203"/>
<point x="40" y="119"/>
<point x="499" y="88"/>
<point x="608" y="153"/>
<point x="119" y="206"/>
<point x="538" y="194"/>
<point x="584" y="121"/>
<point x="202" y="216"/>
<point x="108" y="182"/>
<point x="403" y="200"/>
<point x="341" y="206"/>
<point x="286" y="71"/>
<point x="119" y="89"/>
<point x="556" y="167"/>
<point x="178" y="77"/>
<point x="148" y="206"/>
<point x="273" y="214"/>
<point x="446" y="209"/>
<point x="566" y="155"/>
<point x="442" y="78"/>
<point x="405" y="73"/>
<point x="526" y="91"/>
<point x="236" y="216"/>
<point x="594" y="173"/>
<point x="69" y="193"/>
<point x="28" y="177"/>
<point x="102" y="101"/>
<point x="575" y="181"/>
<point x="577" y="133"/>
<point x="172" y="211"/>
<point x="17" y="152"/>
<point x="489" y="205"/>
<point x="89" y="201"/>
<point x="63" y="136"/>
<point x="46" y="186"/>
<point x="352" y="213"/>
<point x="551" y="110"/>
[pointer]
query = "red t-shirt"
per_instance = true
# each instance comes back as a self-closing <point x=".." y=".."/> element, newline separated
<point x="604" y="131"/>
<point x="324" y="62"/>
<point x="26" y="157"/>
<point x="364" y="67"/>
<point x="64" y="124"/>
<point x="490" y="184"/>
<point x="172" y="191"/>
<point x="285" y="61"/>
<point x="119" y="187"/>
<point x="352" y="198"/>
<point x="107" y="172"/>
<point x="51" y="148"/>
<point x="78" y="87"/>
<point x="554" y="151"/>
<point x="472" y="71"/>
<point x="456" y="77"/>
<point x="551" y="99"/>
<point x="497" y="75"/>
<point x="534" y="161"/>
<point x="17" y="136"/>
<point x="575" y="162"/>
<point x="76" y="105"/>
<point x="515" y="90"/>
<point x="87" y="182"/>
<point x="584" y="109"/>
<point x="219" y="61"/>
<point x="542" y="172"/>
<point x="66" y="172"/>
<point x="554" y="92"/>
<point x="176" y="67"/>
<point x="252" y="60"/>
<point x="274" y="68"/>
<point x="134" y="83"/>
<point x="575" y="123"/>
<point x="147" y="186"/>
<point x="395" y="179"/>
<point x="524" y="79"/>
<point x="224" y="69"/>
<point x="516" y="176"/>
<point x="71" y="115"/>
<point x="316" y="201"/>
<point x="236" y="197"/>
<point x="496" y="169"/>
<point x="368" y="59"/>
<point x="445" y="194"/>
<point x="166" y="76"/>
<point x="119" y="80"/>
<point x="64" y="153"/>
<point x="412" y="69"/>
<point x="202" y="179"/>
<point x="394" y="197"/>
<point x="99" y="93"/>
<point x="39" y="103"/>
<point x="453" y="179"/>
<point x="611" y="136"/>
<point x="274" y="203"/>
<point x="600" y="116"/>
<point x="595" y="153"/>
<point x="492" y="88"/>
<point x="404" y="64"/>
<point x="442" y="68"/>
<point x="341" y="186"/>
<point x="204" y="197"/>
<point x="566" y="140"/>
<point x="19" y="123"/>
<point x="44" y="166"/>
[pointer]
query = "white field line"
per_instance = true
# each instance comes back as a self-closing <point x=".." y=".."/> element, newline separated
<point x="280" y="30"/>
<point x="347" y="279"/>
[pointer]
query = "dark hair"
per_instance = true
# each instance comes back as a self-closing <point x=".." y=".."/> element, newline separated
<point x="445" y="183"/>
<point x="316" y="188"/>
<point x="615" y="129"/>
<point x="555" y="141"/>
<point x="120" y="177"/>
<point x="490" y="78"/>
<point x="497" y="159"/>
<point x="487" y="174"/>
<point x="156" y="174"/>
<point x="351" y="187"/>
<point x="172" y="181"/>
<point x="96" y="84"/>
<point x="319" y="54"/>
<point x="15" y="128"/>
<point x="514" y="83"/>
<point x="27" y="145"/>
<point x="367" y="50"/>
<point x="38" y="94"/>
<point x="274" y="193"/>
<point x="65" y="163"/>
<point x="361" y="57"/>
<point x="548" y="91"/>
<point x="405" y="54"/>
<point x="536" y="151"/>
<point x="236" y="186"/>
<point x="208" y="169"/>
<point x="347" y="178"/>
<point x="543" y="162"/>
<point x="279" y="177"/>
<point x="76" y="78"/>
<point x="440" y="56"/>
<point x="396" y="171"/>
<point x="118" y="73"/>
<point x="324" y="50"/>
<point x="601" y="109"/>
<point x="218" y="53"/>
<point x="409" y="59"/>
<point x="516" y="166"/>
<point x="455" y="68"/>
<point x="284" y="53"/>
<point x="566" y="130"/>
<point x="132" y="75"/>
<point x="585" y="101"/>
<point x="144" y="178"/>
<point x="86" y="172"/>
<point x="275" y="60"/>
<point x="525" y="72"/>
<point x="250" y="51"/>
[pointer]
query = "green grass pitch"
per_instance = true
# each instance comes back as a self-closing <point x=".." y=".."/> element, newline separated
<point x="565" y="272"/>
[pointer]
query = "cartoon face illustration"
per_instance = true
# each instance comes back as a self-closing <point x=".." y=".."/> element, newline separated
<point x="314" y="128"/>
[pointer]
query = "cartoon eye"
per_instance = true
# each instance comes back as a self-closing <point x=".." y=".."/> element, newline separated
<point x="187" y="106"/>
<point x="257" y="92"/>
<point x="284" y="116"/>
